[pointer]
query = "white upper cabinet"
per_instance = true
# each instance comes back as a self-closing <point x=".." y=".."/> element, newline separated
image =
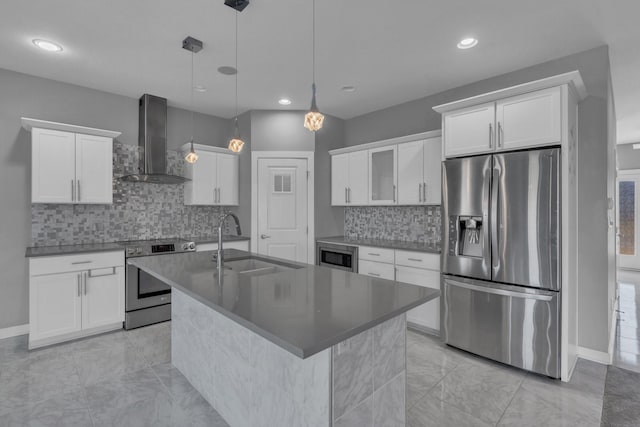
<point x="70" y="167"/>
<point x="398" y="171"/>
<point x="528" y="120"/>
<point x="53" y="166"/>
<point x="349" y="179"/>
<point x="469" y="130"/>
<point x="419" y="172"/>
<point x="523" y="116"/>
<point x="382" y="176"/>
<point x="94" y="169"/>
<point x="214" y="177"/>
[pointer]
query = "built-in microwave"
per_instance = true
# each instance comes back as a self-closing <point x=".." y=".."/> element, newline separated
<point x="337" y="256"/>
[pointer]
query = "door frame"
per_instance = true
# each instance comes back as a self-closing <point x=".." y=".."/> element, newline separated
<point x="309" y="157"/>
<point x="620" y="176"/>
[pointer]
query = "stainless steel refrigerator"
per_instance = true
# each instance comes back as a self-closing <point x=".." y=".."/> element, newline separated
<point x="501" y="257"/>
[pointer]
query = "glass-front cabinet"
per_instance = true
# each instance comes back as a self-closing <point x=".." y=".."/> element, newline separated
<point x="383" y="176"/>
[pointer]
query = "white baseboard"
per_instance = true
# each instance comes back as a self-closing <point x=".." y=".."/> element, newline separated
<point x="594" y="355"/>
<point x="14" y="331"/>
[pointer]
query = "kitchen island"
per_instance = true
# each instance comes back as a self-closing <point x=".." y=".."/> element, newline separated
<point x="270" y="342"/>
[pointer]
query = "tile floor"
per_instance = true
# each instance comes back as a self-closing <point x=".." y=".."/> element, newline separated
<point x="126" y="379"/>
<point x="627" y="347"/>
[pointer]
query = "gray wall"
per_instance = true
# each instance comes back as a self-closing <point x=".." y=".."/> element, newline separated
<point x="628" y="158"/>
<point x="280" y="131"/>
<point x="329" y="220"/>
<point x="418" y="116"/>
<point x="23" y="95"/>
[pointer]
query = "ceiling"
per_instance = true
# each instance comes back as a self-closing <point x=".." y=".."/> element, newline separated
<point x="392" y="52"/>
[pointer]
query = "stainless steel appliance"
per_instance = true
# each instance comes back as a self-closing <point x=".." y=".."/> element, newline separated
<point x="342" y="257"/>
<point x="152" y="142"/>
<point x="501" y="257"/>
<point x="147" y="299"/>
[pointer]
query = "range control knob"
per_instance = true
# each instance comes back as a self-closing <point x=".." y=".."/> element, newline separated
<point x="192" y="246"/>
<point x="131" y="251"/>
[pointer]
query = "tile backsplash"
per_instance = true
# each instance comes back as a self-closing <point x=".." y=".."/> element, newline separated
<point x="139" y="210"/>
<point x="408" y="223"/>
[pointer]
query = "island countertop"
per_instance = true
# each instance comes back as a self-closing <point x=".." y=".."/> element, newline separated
<point x="304" y="310"/>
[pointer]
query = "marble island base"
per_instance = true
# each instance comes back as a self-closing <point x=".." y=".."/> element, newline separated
<point x="252" y="382"/>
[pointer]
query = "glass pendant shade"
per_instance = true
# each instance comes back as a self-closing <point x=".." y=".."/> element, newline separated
<point x="313" y="119"/>
<point x="236" y="145"/>
<point x="191" y="156"/>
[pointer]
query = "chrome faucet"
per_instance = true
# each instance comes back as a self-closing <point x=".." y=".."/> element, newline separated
<point x="220" y="225"/>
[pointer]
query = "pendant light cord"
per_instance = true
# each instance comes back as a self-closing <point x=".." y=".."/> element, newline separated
<point x="236" y="60"/>
<point x="191" y="90"/>
<point x="313" y="14"/>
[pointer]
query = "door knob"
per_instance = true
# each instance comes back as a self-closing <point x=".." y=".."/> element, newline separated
<point x="264" y="236"/>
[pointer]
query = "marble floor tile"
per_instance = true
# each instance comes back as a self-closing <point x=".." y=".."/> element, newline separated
<point x="106" y="397"/>
<point x="153" y="342"/>
<point x="529" y="409"/>
<point x="66" y="409"/>
<point x="430" y="412"/>
<point x="419" y="382"/>
<point x="481" y="390"/>
<point x="99" y="363"/>
<point x="621" y="406"/>
<point x="36" y="378"/>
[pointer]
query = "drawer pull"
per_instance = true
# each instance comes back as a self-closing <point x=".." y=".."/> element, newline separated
<point x="373" y="254"/>
<point x="113" y="271"/>
<point x="414" y="259"/>
<point x="81" y="262"/>
<point x="374" y="274"/>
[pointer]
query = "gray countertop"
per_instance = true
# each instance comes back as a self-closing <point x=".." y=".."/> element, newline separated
<point x="38" y="251"/>
<point x="382" y="243"/>
<point x="303" y="310"/>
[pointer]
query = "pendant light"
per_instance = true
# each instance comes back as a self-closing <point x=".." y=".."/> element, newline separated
<point x="236" y="144"/>
<point x="194" y="46"/>
<point x="314" y="118"/>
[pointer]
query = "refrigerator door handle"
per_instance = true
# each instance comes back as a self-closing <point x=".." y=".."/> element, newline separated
<point x="495" y="217"/>
<point x="497" y="291"/>
<point x="486" y="244"/>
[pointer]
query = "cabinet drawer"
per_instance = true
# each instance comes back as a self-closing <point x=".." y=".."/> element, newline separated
<point x="376" y="269"/>
<point x="78" y="262"/>
<point x="376" y="254"/>
<point x="418" y="260"/>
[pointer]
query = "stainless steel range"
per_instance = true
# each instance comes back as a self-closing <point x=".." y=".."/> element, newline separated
<point x="148" y="300"/>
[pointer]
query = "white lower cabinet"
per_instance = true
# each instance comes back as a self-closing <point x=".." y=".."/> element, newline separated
<point x="416" y="268"/>
<point x="426" y="315"/>
<point x="376" y="269"/>
<point x="242" y="245"/>
<point x="65" y="305"/>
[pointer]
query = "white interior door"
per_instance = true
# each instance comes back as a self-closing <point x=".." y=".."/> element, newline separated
<point x="282" y="208"/>
<point x="628" y="192"/>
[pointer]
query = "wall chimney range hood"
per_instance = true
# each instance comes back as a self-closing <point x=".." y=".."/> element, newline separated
<point x="152" y="141"/>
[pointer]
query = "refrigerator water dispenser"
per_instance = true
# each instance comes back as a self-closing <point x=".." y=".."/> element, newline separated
<point x="465" y="236"/>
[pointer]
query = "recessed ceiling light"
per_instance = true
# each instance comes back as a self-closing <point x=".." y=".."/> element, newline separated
<point x="348" y="88"/>
<point x="284" y="101"/>
<point x="200" y="88"/>
<point x="47" y="45"/>
<point x="467" y="43"/>
<point x="227" y="70"/>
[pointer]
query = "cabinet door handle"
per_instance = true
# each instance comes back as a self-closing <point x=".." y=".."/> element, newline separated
<point x="81" y="262"/>
<point x="85" y="282"/>
<point x="349" y="193"/>
<point x="79" y="285"/>
<point x="424" y="192"/>
<point x="394" y="193"/>
<point x="346" y="195"/>
<point x="73" y="192"/>
<point x="499" y="134"/>
<point x="374" y="274"/>
<point x="373" y="254"/>
<point x="414" y="259"/>
<point x="490" y="135"/>
<point x="420" y="193"/>
<point x="78" y="185"/>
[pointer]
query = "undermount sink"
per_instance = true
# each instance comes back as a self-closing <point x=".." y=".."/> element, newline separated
<point x="255" y="266"/>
